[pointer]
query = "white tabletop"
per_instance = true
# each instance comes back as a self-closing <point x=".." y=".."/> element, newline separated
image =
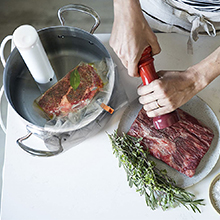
<point x="85" y="182"/>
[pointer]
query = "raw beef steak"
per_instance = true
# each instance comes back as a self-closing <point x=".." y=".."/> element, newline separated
<point x="181" y="146"/>
<point x="61" y="98"/>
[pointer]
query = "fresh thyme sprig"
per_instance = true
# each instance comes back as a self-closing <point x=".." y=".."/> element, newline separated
<point x="157" y="187"/>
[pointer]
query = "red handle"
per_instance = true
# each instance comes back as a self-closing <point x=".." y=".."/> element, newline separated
<point x="148" y="74"/>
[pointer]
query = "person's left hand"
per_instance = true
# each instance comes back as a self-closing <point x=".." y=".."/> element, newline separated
<point x="131" y="34"/>
<point x="170" y="91"/>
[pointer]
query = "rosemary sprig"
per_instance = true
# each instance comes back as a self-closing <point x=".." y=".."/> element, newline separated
<point x="156" y="186"/>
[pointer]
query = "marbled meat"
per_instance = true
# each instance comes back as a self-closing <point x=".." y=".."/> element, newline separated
<point x="61" y="98"/>
<point x="181" y="146"/>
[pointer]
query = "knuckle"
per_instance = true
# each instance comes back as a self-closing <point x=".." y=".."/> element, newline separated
<point x="159" y="84"/>
<point x="164" y="93"/>
<point x="146" y="108"/>
<point x="140" y="91"/>
<point x="151" y="114"/>
<point x="143" y="100"/>
<point x="140" y="100"/>
<point x="172" y="105"/>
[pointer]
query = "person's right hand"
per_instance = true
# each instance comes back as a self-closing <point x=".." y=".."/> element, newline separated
<point x="131" y="34"/>
<point x="175" y="88"/>
<point x="169" y="92"/>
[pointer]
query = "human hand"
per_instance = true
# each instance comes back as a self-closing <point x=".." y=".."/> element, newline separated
<point x="170" y="91"/>
<point x="175" y="88"/>
<point x="131" y="34"/>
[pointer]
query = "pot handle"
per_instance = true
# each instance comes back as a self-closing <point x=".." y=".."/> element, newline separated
<point x="35" y="152"/>
<point x="80" y="8"/>
<point x="2" y="48"/>
<point x="1" y="121"/>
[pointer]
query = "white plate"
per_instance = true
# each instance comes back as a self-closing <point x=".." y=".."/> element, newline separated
<point x="200" y="110"/>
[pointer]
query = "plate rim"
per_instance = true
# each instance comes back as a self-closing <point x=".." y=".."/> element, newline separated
<point x="217" y="138"/>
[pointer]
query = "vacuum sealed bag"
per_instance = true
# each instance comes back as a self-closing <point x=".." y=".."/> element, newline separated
<point x="78" y="97"/>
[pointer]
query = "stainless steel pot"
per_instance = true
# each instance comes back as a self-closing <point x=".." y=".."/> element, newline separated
<point x="65" y="47"/>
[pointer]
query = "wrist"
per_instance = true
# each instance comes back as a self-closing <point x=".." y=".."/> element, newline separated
<point x="206" y="71"/>
<point x="197" y="78"/>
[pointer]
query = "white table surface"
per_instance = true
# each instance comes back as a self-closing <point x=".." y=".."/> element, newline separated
<point x="85" y="182"/>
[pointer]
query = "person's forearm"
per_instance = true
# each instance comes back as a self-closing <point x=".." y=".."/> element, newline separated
<point x="206" y="71"/>
<point x="130" y="13"/>
<point x="125" y="3"/>
<point x="131" y="34"/>
<point x="129" y="8"/>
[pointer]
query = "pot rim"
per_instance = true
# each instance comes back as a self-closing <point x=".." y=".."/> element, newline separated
<point x="73" y="31"/>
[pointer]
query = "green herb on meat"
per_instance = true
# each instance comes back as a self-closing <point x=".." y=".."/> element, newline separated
<point x="75" y="79"/>
<point x="157" y="187"/>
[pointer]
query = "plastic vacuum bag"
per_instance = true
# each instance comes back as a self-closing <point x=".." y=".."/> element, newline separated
<point x="74" y="137"/>
<point x="78" y="98"/>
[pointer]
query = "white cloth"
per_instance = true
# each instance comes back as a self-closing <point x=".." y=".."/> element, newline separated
<point x="194" y="18"/>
